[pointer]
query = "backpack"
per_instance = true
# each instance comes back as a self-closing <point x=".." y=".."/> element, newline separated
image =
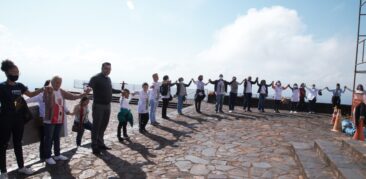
<point x="164" y="89"/>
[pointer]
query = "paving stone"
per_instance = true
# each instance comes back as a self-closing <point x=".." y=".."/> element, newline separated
<point x="263" y="165"/>
<point x="214" y="176"/>
<point x="184" y="165"/>
<point x="87" y="174"/>
<point x="199" y="169"/>
<point x="195" y="159"/>
<point x="210" y="152"/>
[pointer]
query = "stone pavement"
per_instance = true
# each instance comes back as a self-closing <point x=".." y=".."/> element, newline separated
<point x="208" y="145"/>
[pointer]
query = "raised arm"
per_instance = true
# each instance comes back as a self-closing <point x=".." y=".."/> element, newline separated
<point x="212" y="82"/>
<point x="285" y="87"/>
<point x="269" y="84"/>
<point x="350" y="90"/>
<point x="35" y="99"/>
<point x="189" y="84"/>
<point x="172" y="84"/>
<point x="70" y="96"/>
<point x="34" y="93"/>
<point x="289" y="86"/>
<point x="254" y="82"/>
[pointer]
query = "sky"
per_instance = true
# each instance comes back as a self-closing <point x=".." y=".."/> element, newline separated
<point x="289" y="40"/>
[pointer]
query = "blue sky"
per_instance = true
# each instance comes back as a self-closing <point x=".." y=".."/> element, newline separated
<point x="180" y="38"/>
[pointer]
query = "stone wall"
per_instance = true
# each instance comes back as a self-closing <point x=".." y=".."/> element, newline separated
<point x="269" y="104"/>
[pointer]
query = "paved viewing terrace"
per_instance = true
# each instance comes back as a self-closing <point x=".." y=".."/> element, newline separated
<point x="210" y="145"/>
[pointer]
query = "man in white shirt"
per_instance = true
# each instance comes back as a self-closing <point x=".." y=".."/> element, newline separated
<point x="154" y="98"/>
<point x="313" y="93"/>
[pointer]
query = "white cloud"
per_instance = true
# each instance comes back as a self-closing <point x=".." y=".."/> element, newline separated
<point x="271" y="43"/>
<point x="130" y="4"/>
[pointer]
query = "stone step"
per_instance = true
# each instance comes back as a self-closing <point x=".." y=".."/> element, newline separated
<point x="355" y="148"/>
<point x="311" y="166"/>
<point x="342" y="164"/>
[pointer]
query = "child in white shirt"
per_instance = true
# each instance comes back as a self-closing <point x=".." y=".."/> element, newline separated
<point x="124" y="115"/>
<point x="278" y="95"/>
<point x="143" y="106"/>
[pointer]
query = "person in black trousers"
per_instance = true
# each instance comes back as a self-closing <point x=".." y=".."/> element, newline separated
<point x="102" y="98"/>
<point x="166" y="95"/>
<point x="220" y="91"/>
<point x="248" y="93"/>
<point x="301" y="106"/>
<point x="263" y="93"/>
<point x="12" y="116"/>
<point x="41" y="108"/>
<point x="233" y="93"/>
<point x="200" y="93"/>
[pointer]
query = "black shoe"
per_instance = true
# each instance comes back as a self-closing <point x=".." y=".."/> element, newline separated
<point x="126" y="137"/>
<point x="105" y="148"/>
<point x="221" y="111"/>
<point x="120" y="139"/>
<point x="249" y="110"/>
<point x="96" y="152"/>
<point x="141" y="131"/>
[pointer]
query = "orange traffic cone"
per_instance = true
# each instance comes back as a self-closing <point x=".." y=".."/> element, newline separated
<point x="334" y="116"/>
<point x="359" y="130"/>
<point x="337" y="127"/>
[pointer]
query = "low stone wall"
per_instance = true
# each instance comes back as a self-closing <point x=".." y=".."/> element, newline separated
<point x="269" y="104"/>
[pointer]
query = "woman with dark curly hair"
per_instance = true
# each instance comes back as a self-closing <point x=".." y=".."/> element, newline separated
<point x="12" y="116"/>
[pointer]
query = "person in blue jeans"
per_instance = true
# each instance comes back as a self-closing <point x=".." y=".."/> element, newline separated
<point x="220" y="91"/>
<point x="181" y="93"/>
<point x="81" y="122"/>
<point x="154" y="98"/>
<point x="263" y="93"/>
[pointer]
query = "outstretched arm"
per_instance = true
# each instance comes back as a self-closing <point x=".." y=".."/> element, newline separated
<point x="193" y="81"/>
<point x="254" y="82"/>
<point x="289" y="86"/>
<point x="212" y="82"/>
<point x="269" y="84"/>
<point x="273" y="86"/>
<point x="34" y="93"/>
<point x="189" y="84"/>
<point x="348" y="89"/>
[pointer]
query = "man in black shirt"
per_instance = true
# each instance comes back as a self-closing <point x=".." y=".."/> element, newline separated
<point x="102" y="96"/>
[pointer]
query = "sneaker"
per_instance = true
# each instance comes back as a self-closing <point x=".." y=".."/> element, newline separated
<point x="295" y="112"/>
<point x="120" y="139"/>
<point x="27" y="171"/>
<point x="249" y="110"/>
<point x="50" y="161"/>
<point x="61" y="157"/>
<point x="230" y="111"/>
<point x="4" y="176"/>
<point x="291" y="112"/>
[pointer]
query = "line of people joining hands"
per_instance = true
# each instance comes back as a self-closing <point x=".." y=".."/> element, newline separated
<point x="297" y="100"/>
